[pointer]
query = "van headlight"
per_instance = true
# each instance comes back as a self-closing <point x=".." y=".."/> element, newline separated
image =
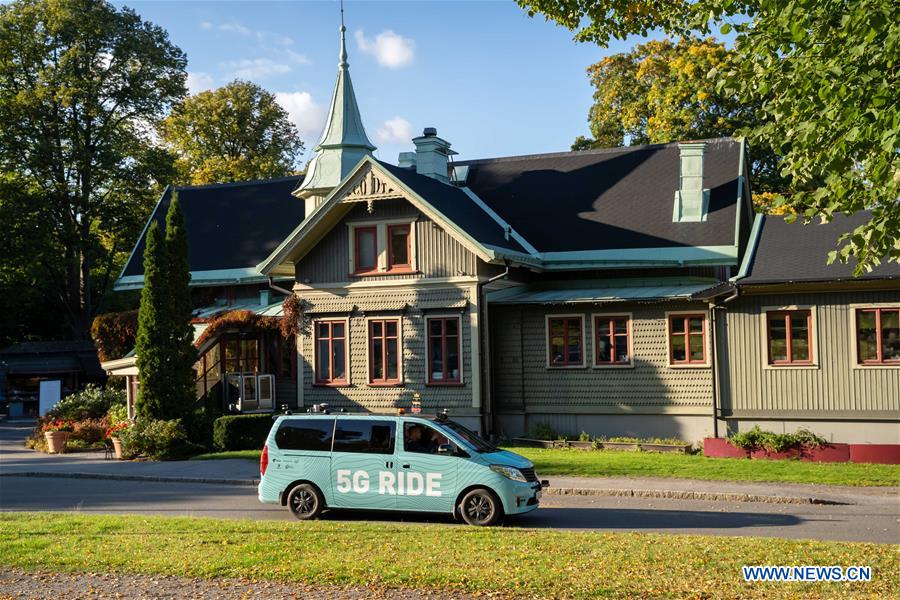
<point x="509" y="472"/>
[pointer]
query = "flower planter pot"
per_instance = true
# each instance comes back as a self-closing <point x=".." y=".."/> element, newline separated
<point x="833" y="453"/>
<point x="720" y="448"/>
<point x="677" y="448"/>
<point x="581" y="445"/>
<point x="117" y="447"/>
<point x="530" y="443"/>
<point x="626" y="446"/>
<point x="763" y="454"/>
<point x="56" y="441"/>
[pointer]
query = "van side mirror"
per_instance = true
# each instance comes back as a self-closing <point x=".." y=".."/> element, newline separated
<point x="448" y="449"/>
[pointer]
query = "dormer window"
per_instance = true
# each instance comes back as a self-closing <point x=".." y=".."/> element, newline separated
<point x="365" y="249"/>
<point x="382" y="247"/>
<point x="398" y="248"/>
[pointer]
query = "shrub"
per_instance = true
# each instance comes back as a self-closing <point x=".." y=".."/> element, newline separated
<point x="747" y="440"/>
<point x="542" y="431"/>
<point x="91" y="403"/>
<point x="808" y="439"/>
<point x="156" y="438"/>
<point x="756" y="439"/>
<point x="89" y="432"/>
<point x="241" y="432"/>
<point x="584" y="436"/>
<point x="113" y="333"/>
<point x="117" y="413"/>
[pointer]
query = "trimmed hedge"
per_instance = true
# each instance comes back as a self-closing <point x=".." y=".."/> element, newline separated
<point x="241" y="432"/>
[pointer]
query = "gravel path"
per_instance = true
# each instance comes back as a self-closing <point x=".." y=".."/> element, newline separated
<point x="15" y="583"/>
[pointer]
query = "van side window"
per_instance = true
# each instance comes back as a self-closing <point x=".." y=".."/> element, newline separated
<point x="305" y="434"/>
<point x="366" y="436"/>
<point x="422" y="439"/>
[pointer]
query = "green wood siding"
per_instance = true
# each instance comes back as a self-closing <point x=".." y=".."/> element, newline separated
<point x="439" y="254"/>
<point x="835" y="389"/>
<point x="412" y="307"/>
<point x="523" y="382"/>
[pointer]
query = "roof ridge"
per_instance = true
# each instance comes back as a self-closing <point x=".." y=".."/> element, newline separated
<point x="236" y="183"/>
<point x="617" y="149"/>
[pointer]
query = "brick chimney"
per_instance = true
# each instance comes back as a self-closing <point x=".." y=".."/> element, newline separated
<point x="432" y="155"/>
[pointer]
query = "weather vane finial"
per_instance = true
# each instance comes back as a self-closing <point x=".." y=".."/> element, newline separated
<point x="343" y="55"/>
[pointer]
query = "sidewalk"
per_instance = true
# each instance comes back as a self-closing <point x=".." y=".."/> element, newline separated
<point x="15" y="460"/>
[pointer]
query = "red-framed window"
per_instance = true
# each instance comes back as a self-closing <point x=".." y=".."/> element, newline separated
<point x="687" y="339"/>
<point x="399" y="247"/>
<point x="878" y="336"/>
<point x="790" y="337"/>
<point x="384" y="351"/>
<point x="444" y="351"/>
<point x="365" y="249"/>
<point x="611" y="340"/>
<point x="331" y="353"/>
<point x="565" y="341"/>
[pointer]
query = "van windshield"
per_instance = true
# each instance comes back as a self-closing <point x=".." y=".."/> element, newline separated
<point x="476" y="441"/>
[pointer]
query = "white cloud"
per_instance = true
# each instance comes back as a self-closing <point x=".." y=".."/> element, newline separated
<point x="297" y="57"/>
<point x="265" y="38"/>
<point x="255" y="68"/>
<point x="235" y="27"/>
<point x="389" y="49"/>
<point x="199" y="82"/>
<point x="305" y="113"/>
<point x="397" y="130"/>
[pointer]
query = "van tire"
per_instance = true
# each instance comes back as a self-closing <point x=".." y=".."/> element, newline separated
<point x="481" y="508"/>
<point x="305" y="502"/>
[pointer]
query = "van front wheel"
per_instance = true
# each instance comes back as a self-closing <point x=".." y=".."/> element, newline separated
<point x="480" y="507"/>
<point x="305" y="502"/>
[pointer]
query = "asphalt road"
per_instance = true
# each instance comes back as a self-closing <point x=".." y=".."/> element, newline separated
<point x="875" y="521"/>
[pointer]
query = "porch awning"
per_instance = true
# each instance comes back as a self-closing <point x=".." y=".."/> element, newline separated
<point x="603" y="294"/>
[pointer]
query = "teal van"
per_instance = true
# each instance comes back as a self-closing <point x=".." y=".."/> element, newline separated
<point x="317" y="461"/>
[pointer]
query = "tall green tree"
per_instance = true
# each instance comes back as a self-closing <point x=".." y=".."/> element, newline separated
<point x="152" y="342"/>
<point x="164" y="343"/>
<point x="182" y="377"/>
<point x="826" y="73"/>
<point x="658" y="92"/>
<point x="236" y="132"/>
<point x="81" y="85"/>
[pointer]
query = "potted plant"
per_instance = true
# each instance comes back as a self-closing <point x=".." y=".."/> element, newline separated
<point x="112" y="434"/>
<point x="56" y="433"/>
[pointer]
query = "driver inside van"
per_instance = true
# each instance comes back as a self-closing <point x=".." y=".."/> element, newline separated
<point x="419" y="438"/>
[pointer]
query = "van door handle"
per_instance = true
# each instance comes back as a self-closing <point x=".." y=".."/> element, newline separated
<point x="405" y="466"/>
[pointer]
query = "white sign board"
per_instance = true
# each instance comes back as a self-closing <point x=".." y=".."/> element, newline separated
<point x="49" y="395"/>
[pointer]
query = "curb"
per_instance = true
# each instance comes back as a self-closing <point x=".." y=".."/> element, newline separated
<point x="551" y="491"/>
<point x="152" y="478"/>
<point x="689" y="495"/>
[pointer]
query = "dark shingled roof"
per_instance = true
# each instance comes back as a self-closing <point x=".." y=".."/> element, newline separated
<point x="794" y="252"/>
<point x="52" y="357"/>
<point x="457" y="206"/>
<point x="231" y="225"/>
<point x="608" y="199"/>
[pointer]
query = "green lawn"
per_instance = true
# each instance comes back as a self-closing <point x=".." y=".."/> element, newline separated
<point x="610" y="463"/>
<point x="248" y="454"/>
<point x="502" y="561"/>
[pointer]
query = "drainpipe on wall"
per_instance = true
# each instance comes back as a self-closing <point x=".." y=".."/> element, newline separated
<point x="282" y="290"/>
<point x="487" y="419"/>
<point x="713" y="306"/>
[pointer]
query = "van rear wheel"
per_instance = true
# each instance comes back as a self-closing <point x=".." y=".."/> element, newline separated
<point x="305" y="502"/>
<point x="480" y="507"/>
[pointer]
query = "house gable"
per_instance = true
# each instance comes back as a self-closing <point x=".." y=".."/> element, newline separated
<point x="369" y="184"/>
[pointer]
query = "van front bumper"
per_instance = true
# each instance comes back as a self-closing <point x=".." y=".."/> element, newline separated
<point x="523" y="498"/>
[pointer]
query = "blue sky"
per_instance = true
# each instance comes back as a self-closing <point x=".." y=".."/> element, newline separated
<point x="493" y="81"/>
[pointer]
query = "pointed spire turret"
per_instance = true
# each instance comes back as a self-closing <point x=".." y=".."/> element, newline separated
<point x="344" y="141"/>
